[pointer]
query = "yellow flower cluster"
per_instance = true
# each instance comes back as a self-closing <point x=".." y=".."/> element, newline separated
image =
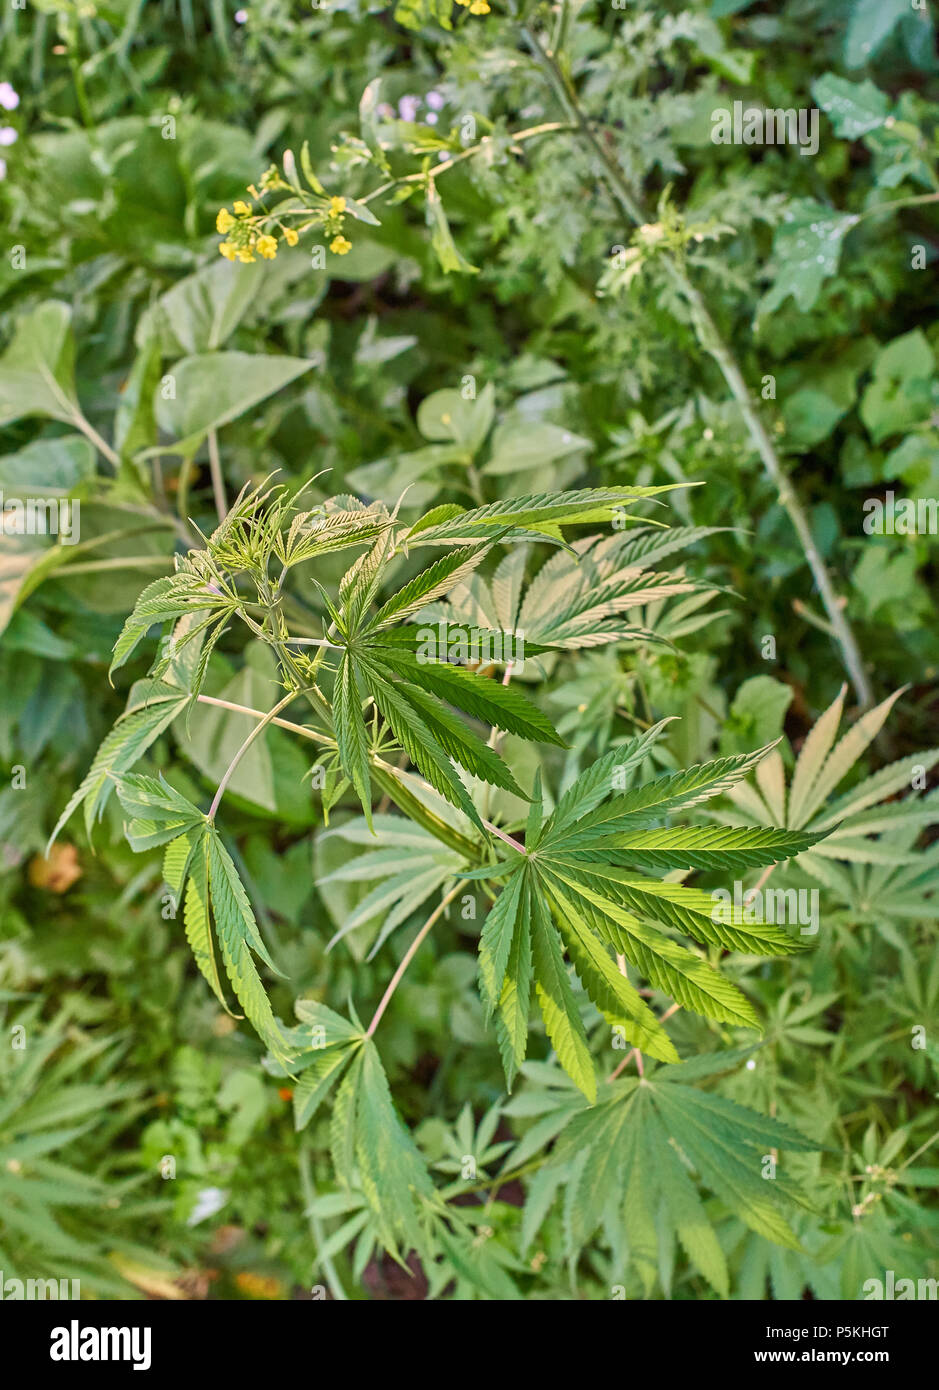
<point x="476" y="6"/>
<point x="335" y="212"/>
<point x="246" y="237"/>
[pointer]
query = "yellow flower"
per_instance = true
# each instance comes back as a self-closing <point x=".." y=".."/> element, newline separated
<point x="224" y="221"/>
<point x="479" y="7"/>
<point x="339" y="246"/>
<point x="241" y="208"/>
<point x="267" y="247"/>
<point x="290" y="236"/>
<point x="337" y="207"/>
<point x="227" y="250"/>
<point x="245" y="256"/>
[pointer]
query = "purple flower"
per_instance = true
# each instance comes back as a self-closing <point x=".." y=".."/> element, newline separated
<point x="431" y="118"/>
<point x="407" y="108"/>
<point x="9" y="99"/>
<point x="3" y="168"/>
<point x="8" y="135"/>
<point x="435" y="101"/>
<point x="241" y="16"/>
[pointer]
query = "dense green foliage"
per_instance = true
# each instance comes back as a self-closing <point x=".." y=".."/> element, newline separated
<point x="472" y="603"/>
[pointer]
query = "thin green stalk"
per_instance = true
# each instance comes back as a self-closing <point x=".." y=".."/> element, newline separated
<point x="254" y="734"/>
<point x="288" y="724"/>
<point x="218" y="480"/>
<point x="316" y="1229"/>
<point x="711" y="341"/>
<point x="409" y="955"/>
<point x="118" y="562"/>
<point x="519" y="138"/>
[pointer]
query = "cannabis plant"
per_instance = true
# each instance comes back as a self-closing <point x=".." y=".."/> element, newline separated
<point x="405" y="695"/>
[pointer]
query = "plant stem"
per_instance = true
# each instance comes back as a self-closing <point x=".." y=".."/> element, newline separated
<point x="300" y="729"/>
<point x="316" y="1229"/>
<point x="90" y="433"/>
<point x="546" y="128"/>
<point x="118" y="562"/>
<point x="672" y="1008"/>
<point x="711" y="341"/>
<point x="914" y="202"/>
<point x="255" y="733"/>
<point x="494" y="830"/>
<point x="218" y="480"/>
<point x="410" y="954"/>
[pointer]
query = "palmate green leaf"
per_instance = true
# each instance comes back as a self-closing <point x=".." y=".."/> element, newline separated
<point x="538" y="516"/>
<point x="653" y="801"/>
<point x="630" y="1146"/>
<point x="413" y="866"/>
<point x="689" y="910"/>
<point x="138" y="727"/>
<point x="456" y="740"/>
<point x="200" y="869"/>
<point x="157" y="812"/>
<point x="438" y="579"/>
<point x="579" y="597"/>
<point x="684" y="1210"/>
<point x="579" y="868"/>
<point x="164" y="601"/>
<point x="857" y="827"/>
<point x="317" y="1081"/>
<point x="342" y="1121"/>
<point x="323" y="1044"/>
<point x="595" y="782"/>
<point x="420" y="743"/>
<point x="409" y="694"/>
<point x="360" y="584"/>
<point x="322" y="1026"/>
<point x="197" y="919"/>
<point x="817" y="777"/>
<point x="576" y="598"/>
<point x="495" y="941"/>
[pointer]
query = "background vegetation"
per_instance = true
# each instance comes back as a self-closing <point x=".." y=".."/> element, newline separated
<point x="508" y="326"/>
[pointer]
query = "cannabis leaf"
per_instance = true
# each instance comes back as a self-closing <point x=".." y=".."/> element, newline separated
<point x="579" y="597"/>
<point x="151" y="708"/>
<point x="573" y="883"/>
<point x="409" y="694"/>
<point x="200" y="872"/>
<point x="410" y="867"/>
<point x="856" y="825"/>
<point x="539" y="516"/>
<point x="629" y="1163"/>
